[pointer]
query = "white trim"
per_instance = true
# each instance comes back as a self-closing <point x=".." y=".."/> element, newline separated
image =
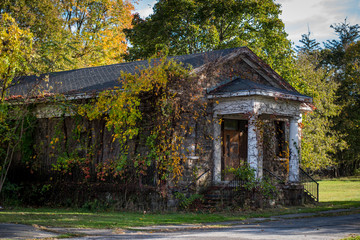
<point x="266" y="93"/>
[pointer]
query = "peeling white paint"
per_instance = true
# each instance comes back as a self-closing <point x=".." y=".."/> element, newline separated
<point x="217" y="150"/>
<point x="258" y="104"/>
<point x="253" y="145"/>
<point x="294" y="149"/>
<point x="252" y="108"/>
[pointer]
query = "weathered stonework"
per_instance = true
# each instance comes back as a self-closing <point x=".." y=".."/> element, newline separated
<point x="253" y="109"/>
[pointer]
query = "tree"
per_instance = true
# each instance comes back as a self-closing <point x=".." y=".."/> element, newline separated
<point x="15" y="56"/>
<point x="97" y="28"/>
<point x="189" y="26"/>
<point x="331" y="76"/>
<point x="320" y="141"/>
<point x="51" y="35"/>
<point x="43" y="20"/>
<point x="71" y="34"/>
<point x="342" y="56"/>
<point x="348" y="76"/>
<point x="309" y="45"/>
<point x="15" y="52"/>
<point x="334" y="51"/>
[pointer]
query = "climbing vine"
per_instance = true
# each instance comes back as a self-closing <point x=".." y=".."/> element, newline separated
<point x="151" y="112"/>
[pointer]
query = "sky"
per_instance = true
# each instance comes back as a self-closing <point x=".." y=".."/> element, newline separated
<point x="301" y="15"/>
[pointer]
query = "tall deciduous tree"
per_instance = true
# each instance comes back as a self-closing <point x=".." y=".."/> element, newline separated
<point x="349" y="121"/>
<point x="70" y="34"/>
<point x="191" y="26"/>
<point x="43" y="20"/>
<point x="320" y="141"/>
<point x="15" y="55"/>
<point x="342" y="56"/>
<point x="15" y="52"/>
<point x="96" y="26"/>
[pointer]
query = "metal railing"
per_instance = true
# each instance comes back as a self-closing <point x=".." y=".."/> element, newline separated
<point x="273" y="177"/>
<point x="186" y="188"/>
<point x="235" y="182"/>
<point x="311" y="186"/>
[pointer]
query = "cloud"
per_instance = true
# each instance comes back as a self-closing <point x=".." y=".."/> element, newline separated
<point x="145" y="7"/>
<point x="318" y="15"/>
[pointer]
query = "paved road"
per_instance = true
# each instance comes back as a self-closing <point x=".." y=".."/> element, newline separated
<point x="304" y="228"/>
<point x="20" y="231"/>
<point x="336" y="227"/>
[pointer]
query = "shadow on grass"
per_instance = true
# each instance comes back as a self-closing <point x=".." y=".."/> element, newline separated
<point x="81" y="219"/>
<point x="343" y="179"/>
<point x="341" y="204"/>
<point x="65" y="218"/>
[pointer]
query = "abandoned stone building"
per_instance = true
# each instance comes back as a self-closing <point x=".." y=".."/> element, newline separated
<point x="255" y="119"/>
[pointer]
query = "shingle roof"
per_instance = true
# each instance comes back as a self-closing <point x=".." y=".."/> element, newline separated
<point x="240" y="87"/>
<point x="95" y="79"/>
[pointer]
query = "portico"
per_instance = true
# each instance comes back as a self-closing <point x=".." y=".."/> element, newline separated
<point x="243" y="119"/>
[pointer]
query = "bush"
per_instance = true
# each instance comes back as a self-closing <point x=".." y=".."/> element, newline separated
<point x="185" y="203"/>
<point x="10" y="194"/>
<point x="246" y="176"/>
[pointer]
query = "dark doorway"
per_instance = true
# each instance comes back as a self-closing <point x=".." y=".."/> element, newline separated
<point x="235" y="144"/>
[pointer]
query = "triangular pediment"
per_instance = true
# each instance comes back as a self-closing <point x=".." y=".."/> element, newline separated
<point x="242" y="63"/>
<point x="239" y="87"/>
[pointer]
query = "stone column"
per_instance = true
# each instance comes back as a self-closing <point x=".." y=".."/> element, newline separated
<point x="294" y="149"/>
<point x="253" y="147"/>
<point x="217" y="151"/>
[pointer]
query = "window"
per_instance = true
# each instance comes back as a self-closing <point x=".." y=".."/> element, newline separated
<point x="280" y="143"/>
<point x="230" y="124"/>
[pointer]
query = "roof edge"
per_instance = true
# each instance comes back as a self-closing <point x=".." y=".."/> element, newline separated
<point x="265" y="93"/>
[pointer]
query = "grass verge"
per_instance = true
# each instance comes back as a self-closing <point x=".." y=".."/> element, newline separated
<point x="80" y="219"/>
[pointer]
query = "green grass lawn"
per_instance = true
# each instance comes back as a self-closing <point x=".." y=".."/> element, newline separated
<point x="334" y="194"/>
<point x="82" y="219"/>
<point x="344" y="192"/>
<point x="73" y="218"/>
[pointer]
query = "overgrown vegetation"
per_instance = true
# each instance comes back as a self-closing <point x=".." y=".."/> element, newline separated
<point x="43" y="36"/>
<point x="149" y="118"/>
<point x="154" y="109"/>
<point x="187" y="202"/>
<point x="329" y="74"/>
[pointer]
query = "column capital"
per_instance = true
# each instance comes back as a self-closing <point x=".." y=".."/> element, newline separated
<point x="296" y="118"/>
